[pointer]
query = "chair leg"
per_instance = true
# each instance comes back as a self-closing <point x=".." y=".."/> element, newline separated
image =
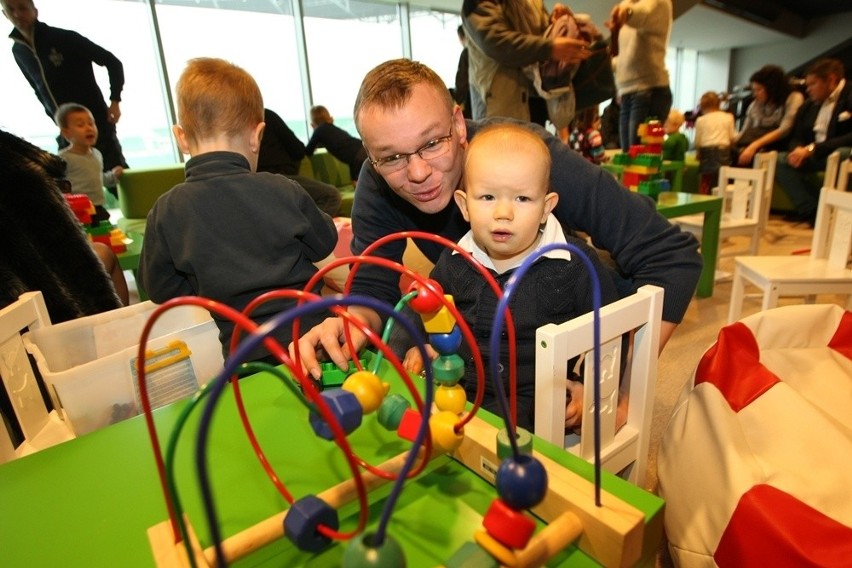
<point x="737" y="296"/>
<point x="770" y="297"/>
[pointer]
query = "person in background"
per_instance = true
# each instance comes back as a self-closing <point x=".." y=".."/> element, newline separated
<point x="281" y="152"/>
<point x="609" y="125"/>
<point x="508" y="202"/>
<point x="586" y="136"/>
<point x="770" y="115"/>
<point x="57" y="63"/>
<point x="229" y="233"/>
<point x="337" y="141"/>
<point x="676" y="143"/>
<point x="502" y="39"/>
<point x="461" y="90"/>
<point x="85" y="165"/>
<point x="643" y="28"/>
<point x="417" y="139"/>
<point x="714" y="138"/>
<point x="822" y="125"/>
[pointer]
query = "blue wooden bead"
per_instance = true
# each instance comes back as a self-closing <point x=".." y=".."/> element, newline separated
<point x="345" y="406"/>
<point x="362" y="552"/>
<point x="302" y="519"/>
<point x="521" y="482"/>
<point x="446" y="343"/>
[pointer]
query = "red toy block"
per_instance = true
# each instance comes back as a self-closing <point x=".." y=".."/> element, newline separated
<point x="409" y="425"/>
<point x="509" y="527"/>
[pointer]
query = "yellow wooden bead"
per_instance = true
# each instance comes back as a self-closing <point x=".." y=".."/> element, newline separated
<point x="444" y="437"/>
<point x="451" y="398"/>
<point x="441" y="321"/>
<point x="504" y="555"/>
<point x="368" y="388"/>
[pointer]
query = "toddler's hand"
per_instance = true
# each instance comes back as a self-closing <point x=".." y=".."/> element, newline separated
<point x="117" y="171"/>
<point x="413" y="362"/>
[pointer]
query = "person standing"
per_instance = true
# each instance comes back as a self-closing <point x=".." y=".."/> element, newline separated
<point x="643" y="28"/>
<point x="57" y="63"/>
<point x="822" y="125"/>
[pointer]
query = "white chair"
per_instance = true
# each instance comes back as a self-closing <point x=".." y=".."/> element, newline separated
<point x="32" y="427"/>
<point x="823" y="271"/>
<point x="843" y="175"/>
<point x="743" y="211"/>
<point x="767" y="162"/>
<point x="623" y="452"/>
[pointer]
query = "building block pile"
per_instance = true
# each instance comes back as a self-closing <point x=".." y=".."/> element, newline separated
<point x="643" y="161"/>
<point x="98" y="231"/>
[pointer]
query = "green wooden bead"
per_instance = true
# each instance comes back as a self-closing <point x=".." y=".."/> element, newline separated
<point x="361" y="553"/>
<point x="448" y="369"/>
<point x="504" y="446"/>
<point x="391" y="410"/>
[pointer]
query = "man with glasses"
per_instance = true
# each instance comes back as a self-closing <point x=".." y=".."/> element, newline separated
<point x="416" y="140"/>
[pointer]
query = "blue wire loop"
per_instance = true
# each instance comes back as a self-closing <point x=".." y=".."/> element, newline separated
<point x="494" y="346"/>
<point x="217" y="387"/>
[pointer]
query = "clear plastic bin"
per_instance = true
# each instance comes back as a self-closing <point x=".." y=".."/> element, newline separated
<point x="89" y="364"/>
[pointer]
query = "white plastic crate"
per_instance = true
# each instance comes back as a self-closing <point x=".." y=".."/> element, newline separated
<point x="88" y="364"/>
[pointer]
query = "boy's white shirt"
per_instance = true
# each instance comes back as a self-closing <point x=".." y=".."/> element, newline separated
<point x="551" y="234"/>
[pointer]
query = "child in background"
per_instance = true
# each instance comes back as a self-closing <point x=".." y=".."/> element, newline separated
<point x="676" y="144"/>
<point x="338" y="142"/>
<point x="84" y="162"/>
<point x="508" y="201"/>
<point x="714" y="138"/>
<point x="228" y="233"/>
<point x="586" y="135"/>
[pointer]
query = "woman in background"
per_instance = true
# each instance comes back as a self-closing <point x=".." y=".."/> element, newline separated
<point x="769" y="117"/>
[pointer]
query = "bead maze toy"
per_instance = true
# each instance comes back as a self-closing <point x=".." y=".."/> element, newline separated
<point x="435" y="418"/>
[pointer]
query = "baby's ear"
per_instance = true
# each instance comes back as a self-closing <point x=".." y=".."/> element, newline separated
<point x="180" y="137"/>
<point x="461" y="202"/>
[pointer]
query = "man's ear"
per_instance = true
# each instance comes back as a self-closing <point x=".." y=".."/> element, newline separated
<point x="461" y="201"/>
<point x="550" y="201"/>
<point x="180" y="136"/>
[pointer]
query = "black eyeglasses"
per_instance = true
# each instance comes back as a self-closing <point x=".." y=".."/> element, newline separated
<point x="432" y="149"/>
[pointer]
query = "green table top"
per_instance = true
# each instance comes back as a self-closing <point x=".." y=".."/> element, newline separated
<point x="89" y="502"/>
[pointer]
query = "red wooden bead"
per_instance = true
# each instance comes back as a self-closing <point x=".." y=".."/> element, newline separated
<point x="428" y="298"/>
<point x="509" y="527"/>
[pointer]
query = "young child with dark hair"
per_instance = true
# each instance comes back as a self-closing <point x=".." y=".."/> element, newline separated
<point x="84" y="163"/>
<point x="229" y="233"/>
<point x="586" y="135"/>
<point x="507" y="199"/>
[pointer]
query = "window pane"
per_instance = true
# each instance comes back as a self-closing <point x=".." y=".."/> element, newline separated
<point x="257" y="36"/>
<point x="344" y="42"/>
<point x="435" y="41"/>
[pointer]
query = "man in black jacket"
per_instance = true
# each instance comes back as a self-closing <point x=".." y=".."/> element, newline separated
<point x="57" y="64"/>
<point x="823" y="125"/>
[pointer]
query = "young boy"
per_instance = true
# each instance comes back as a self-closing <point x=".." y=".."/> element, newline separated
<point x="85" y="164"/>
<point x="229" y="233"/>
<point x="586" y="136"/>
<point x="714" y="137"/>
<point x="508" y="202"/>
<point x="338" y="142"/>
<point x="676" y="143"/>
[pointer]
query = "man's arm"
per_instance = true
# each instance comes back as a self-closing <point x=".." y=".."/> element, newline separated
<point x="104" y="58"/>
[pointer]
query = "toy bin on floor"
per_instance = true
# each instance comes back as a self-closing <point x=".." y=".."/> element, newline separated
<point x="89" y="364"/>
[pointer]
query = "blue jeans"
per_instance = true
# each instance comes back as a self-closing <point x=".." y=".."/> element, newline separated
<point x="800" y="184"/>
<point x="639" y="106"/>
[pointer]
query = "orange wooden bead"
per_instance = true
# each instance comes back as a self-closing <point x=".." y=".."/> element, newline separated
<point x="444" y="435"/>
<point x="368" y="388"/>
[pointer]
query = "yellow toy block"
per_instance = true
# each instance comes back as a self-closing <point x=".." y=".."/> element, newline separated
<point x="441" y="321"/>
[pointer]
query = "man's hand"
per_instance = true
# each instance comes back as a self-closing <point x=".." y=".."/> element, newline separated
<point x="113" y="112"/>
<point x="798" y="156"/>
<point x="328" y="338"/>
<point x="570" y="50"/>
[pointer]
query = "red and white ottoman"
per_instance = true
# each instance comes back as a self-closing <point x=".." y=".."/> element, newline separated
<point x="756" y="463"/>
